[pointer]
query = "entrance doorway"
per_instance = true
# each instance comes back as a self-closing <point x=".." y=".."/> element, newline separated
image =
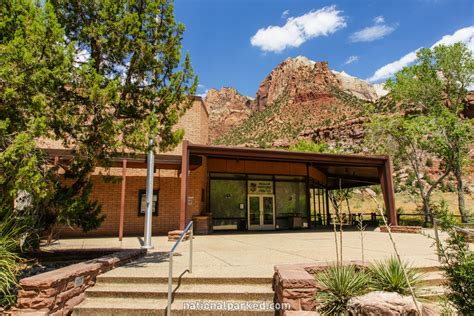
<point x="261" y="212"/>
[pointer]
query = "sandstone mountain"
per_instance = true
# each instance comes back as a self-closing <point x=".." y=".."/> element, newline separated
<point x="227" y="109"/>
<point x="299" y="95"/>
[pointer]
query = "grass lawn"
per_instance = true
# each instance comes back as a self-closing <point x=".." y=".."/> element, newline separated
<point x="361" y="204"/>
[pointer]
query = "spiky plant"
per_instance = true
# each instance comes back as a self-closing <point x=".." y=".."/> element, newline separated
<point x="9" y="261"/>
<point x="387" y="275"/>
<point x="339" y="284"/>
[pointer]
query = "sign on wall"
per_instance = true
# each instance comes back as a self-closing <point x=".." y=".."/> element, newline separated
<point x="260" y="187"/>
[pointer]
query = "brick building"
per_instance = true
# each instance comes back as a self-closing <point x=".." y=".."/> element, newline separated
<point x="227" y="188"/>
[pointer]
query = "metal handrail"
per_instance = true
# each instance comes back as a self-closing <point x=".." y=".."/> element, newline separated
<point x="189" y="228"/>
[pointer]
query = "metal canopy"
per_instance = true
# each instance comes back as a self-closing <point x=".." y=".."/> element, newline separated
<point x="341" y="170"/>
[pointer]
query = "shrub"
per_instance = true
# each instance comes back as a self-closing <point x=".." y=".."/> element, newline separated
<point x="339" y="285"/>
<point x="409" y="220"/>
<point x="310" y="146"/>
<point x="9" y="261"/>
<point x="429" y="162"/>
<point x="457" y="262"/>
<point x="388" y="276"/>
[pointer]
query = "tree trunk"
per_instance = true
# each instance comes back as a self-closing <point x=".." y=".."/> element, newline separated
<point x="461" y="203"/>
<point x="426" y="210"/>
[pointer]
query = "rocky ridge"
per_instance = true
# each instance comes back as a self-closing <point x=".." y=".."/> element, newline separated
<point x="227" y="109"/>
<point x="297" y="95"/>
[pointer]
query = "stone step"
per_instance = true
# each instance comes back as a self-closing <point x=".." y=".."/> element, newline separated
<point x="175" y="234"/>
<point x="432" y="293"/>
<point x="107" y="279"/>
<point x="427" y="269"/>
<point x="142" y="306"/>
<point x="433" y="278"/>
<point x="202" y="291"/>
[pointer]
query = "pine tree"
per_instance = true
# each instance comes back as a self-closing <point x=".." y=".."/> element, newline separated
<point x="100" y="77"/>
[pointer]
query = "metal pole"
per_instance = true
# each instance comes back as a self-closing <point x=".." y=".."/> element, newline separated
<point x="170" y="284"/>
<point x="122" y="198"/>
<point x="191" y="249"/>
<point x="149" y="196"/>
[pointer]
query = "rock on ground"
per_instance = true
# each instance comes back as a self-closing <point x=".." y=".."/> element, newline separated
<point x="384" y="304"/>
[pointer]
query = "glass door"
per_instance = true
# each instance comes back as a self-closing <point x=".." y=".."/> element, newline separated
<point x="254" y="211"/>
<point x="268" y="212"/>
<point x="261" y="212"/>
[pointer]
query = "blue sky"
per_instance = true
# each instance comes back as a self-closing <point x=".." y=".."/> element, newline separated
<point x="237" y="43"/>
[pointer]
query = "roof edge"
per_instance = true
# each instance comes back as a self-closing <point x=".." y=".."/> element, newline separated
<point x="280" y="154"/>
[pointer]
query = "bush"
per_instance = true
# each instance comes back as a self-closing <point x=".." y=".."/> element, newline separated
<point x="457" y="262"/>
<point x="409" y="220"/>
<point x="9" y="261"/>
<point x="310" y="146"/>
<point x="388" y="276"/>
<point x="429" y="162"/>
<point x="340" y="284"/>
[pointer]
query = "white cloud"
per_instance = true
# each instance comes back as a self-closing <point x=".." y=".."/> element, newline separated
<point x="390" y="69"/>
<point x="464" y="35"/>
<point x="298" y="30"/>
<point x="285" y="14"/>
<point x="351" y="60"/>
<point x="203" y="88"/>
<point x="379" y="19"/>
<point x="374" y="32"/>
<point x="203" y="95"/>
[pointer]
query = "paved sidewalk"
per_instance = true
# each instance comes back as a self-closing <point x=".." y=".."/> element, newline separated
<point x="255" y="254"/>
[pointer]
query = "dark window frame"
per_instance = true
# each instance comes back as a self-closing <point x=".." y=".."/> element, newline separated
<point x="142" y="192"/>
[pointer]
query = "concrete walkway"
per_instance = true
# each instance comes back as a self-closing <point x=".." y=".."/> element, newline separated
<point x="255" y="254"/>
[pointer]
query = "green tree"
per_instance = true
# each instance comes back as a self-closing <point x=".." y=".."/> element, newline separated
<point x="437" y="85"/>
<point x="34" y="64"/>
<point x="98" y="77"/>
<point x="410" y="139"/>
<point x="132" y="81"/>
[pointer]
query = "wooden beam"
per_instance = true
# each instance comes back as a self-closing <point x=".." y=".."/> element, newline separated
<point x="386" y="182"/>
<point x="184" y="185"/>
<point x="122" y="198"/>
<point x="308" y="198"/>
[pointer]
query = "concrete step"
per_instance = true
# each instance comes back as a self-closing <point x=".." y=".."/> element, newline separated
<point x="191" y="292"/>
<point x="427" y="269"/>
<point x="432" y="293"/>
<point x="433" y="278"/>
<point x="142" y="306"/>
<point x="107" y="279"/>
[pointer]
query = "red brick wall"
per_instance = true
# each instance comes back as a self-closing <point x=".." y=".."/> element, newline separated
<point x="195" y="123"/>
<point x="108" y="195"/>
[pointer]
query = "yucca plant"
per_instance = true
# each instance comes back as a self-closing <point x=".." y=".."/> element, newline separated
<point x="339" y="284"/>
<point x="9" y="261"/>
<point x="387" y="275"/>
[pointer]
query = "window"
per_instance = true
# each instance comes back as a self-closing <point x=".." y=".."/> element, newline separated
<point x="228" y="198"/>
<point x="142" y="202"/>
<point x="228" y="204"/>
<point x="290" y="199"/>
